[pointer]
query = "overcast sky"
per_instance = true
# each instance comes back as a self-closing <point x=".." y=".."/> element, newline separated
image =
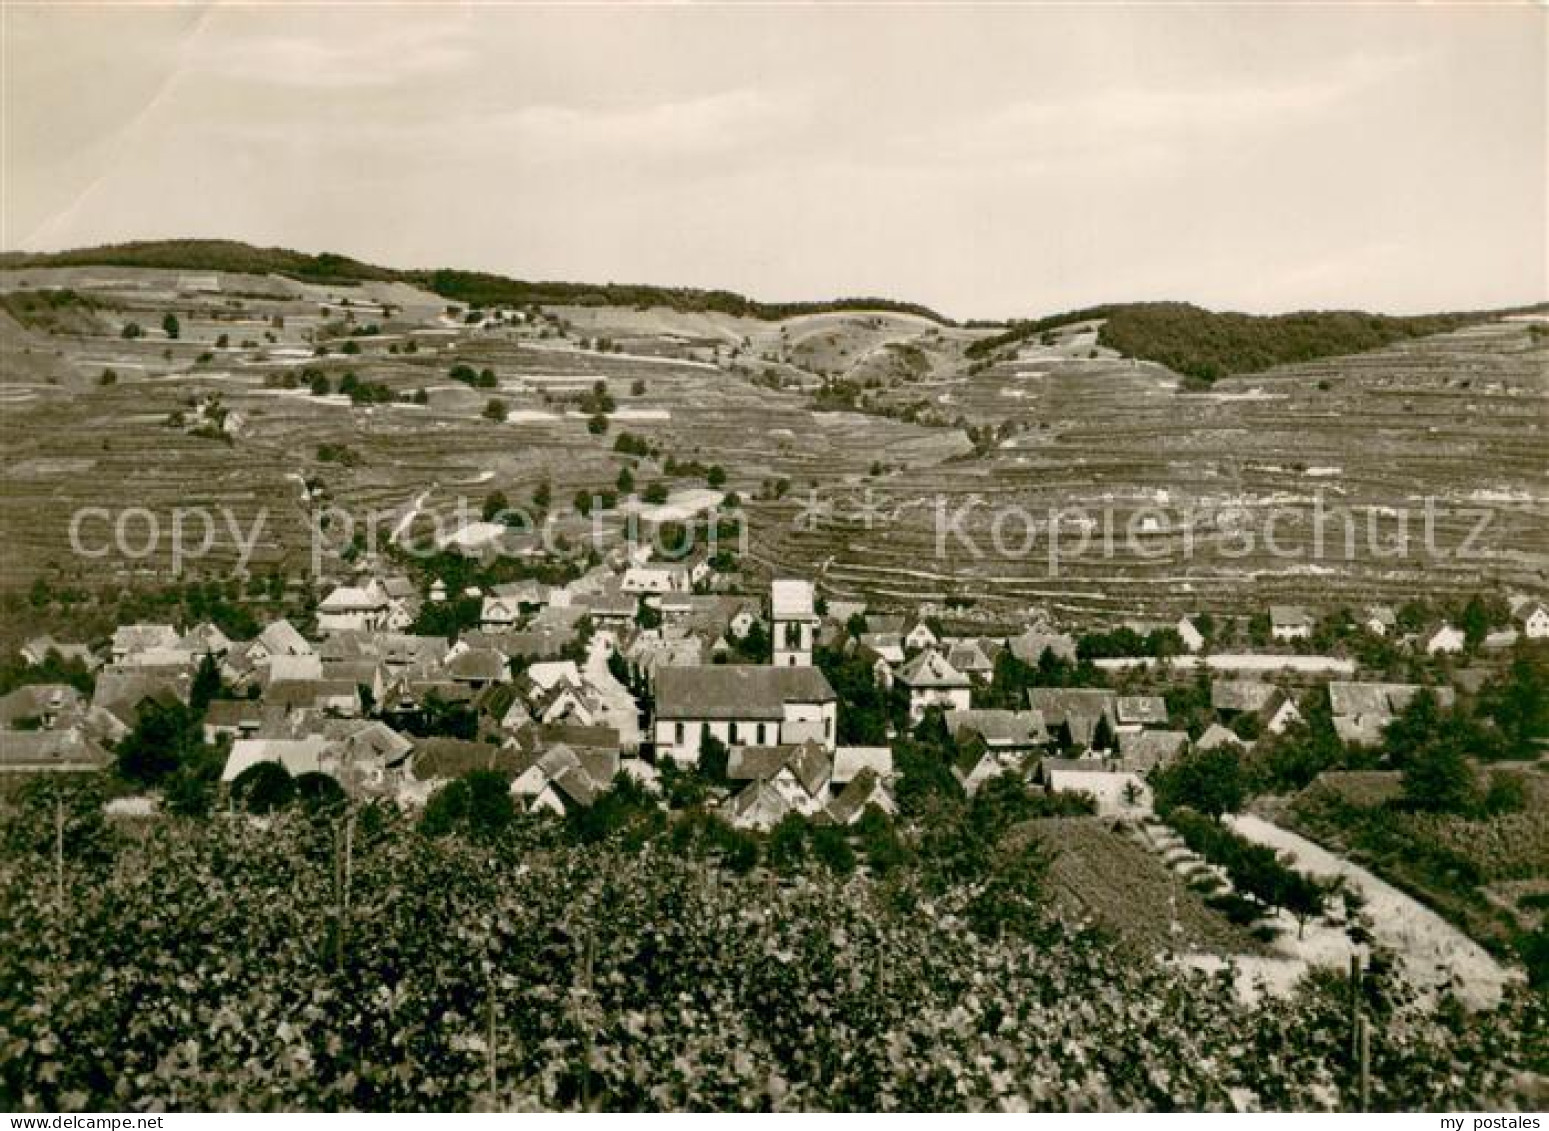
<point x="986" y="160"/>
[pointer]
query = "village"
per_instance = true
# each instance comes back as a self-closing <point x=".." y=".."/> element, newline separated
<point x="642" y="664"/>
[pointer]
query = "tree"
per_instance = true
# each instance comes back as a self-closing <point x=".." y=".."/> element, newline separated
<point x="1438" y="779"/>
<point x="131" y="331"/>
<point x="1212" y="781"/>
<point x="478" y="803"/>
<point x="656" y="494"/>
<point x="543" y="495"/>
<point x="597" y="425"/>
<point x="494" y="503"/>
<point x="638" y="387"/>
<point x="207" y="685"/>
<point x="625" y="481"/>
<point x="1518" y="704"/>
<point x="163" y="738"/>
<point x="108" y="378"/>
<point x="263" y="787"/>
<point x="713" y="759"/>
<point x="320" y="385"/>
<point x="496" y="410"/>
<point x="319" y="793"/>
<point x="1303" y="896"/>
<point x="716" y="476"/>
<point x="170" y="326"/>
<point x="787" y="847"/>
<point x="583" y="501"/>
<point x="223" y="342"/>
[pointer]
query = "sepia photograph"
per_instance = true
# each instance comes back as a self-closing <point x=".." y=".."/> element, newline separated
<point x="724" y="556"/>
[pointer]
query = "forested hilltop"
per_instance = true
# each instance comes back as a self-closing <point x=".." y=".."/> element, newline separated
<point x="477" y="288"/>
<point x="1206" y="345"/>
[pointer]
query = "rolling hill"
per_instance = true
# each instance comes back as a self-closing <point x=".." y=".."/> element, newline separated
<point x="846" y="432"/>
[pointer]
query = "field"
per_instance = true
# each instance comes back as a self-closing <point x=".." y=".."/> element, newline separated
<point x="1059" y="425"/>
<point x="1107" y="878"/>
<point x="1481" y="873"/>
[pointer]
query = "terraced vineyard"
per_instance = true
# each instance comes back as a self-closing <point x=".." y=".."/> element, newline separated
<point x="70" y="442"/>
<point x="1458" y="417"/>
<point x="1062" y="425"/>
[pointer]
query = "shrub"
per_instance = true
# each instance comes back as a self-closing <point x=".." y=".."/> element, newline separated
<point x="263" y="788"/>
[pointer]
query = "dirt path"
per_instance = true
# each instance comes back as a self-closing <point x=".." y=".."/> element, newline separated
<point x="1433" y="951"/>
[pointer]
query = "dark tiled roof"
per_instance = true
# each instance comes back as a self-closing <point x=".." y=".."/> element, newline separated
<point x="737" y="691"/>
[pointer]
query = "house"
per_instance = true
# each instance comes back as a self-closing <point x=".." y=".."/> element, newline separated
<point x="133" y="639"/>
<point x="365" y="757"/>
<point x="1232" y="698"/>
<point x="1002" y="731"/>
<point x="655" y="580"/>
<point x="971" y="658"/>
<point x="562" y="778"/>
<point x="284" y="669"/>
<point x="800" y="773"/>
<point x="609" y="607"/>
<point x="1445" y="640"/>
<point x="867" y="790"/>
<point x="1118" y="792"/>
<point x="526" y="596"/>
<point x="919" y="637"/>
<point x="932" y="682"/>
<point x="36" y="650"/>
<point x="338" y="697"/>
<point x="1142" y="751"/>
<point x="894" y="623"/>
<point x="438" y="760"/>
<point x="1078" y="718"/>
<point x="297" y="755"/>
<point x="976" y="763"/>
<point x="840" y="612"/>
<point x="402" y="653"/>
<point x="742" y="619"/>
<point x="793" y="622"/>
<point x="477" y="668"/>
<point x="498" y="614"/>
<point x="761" y="806"/>
<point x="1363" y="710"/>
<point x="885" y="646"/>
<point x="1289" y="622"/>
<point x="1380" y="620"/>
<point x="50" y="751"/>
<point x="123" y="693"/>
<point x="368" y="675"/>
<point x="354" y="607"/>
<point x="1533" y="616"/>
<point x="649" y="653"/>
<point x="1193" y="639"/>
<point x="1217" y="737"/>
<point x="1031" y="646"/>
<point x="238" y="718"/>
<point x="279" y="638"/>
<point x="850" y="761"/>
<point x="203" y="640"/>
<point x="1500" y="640"/>
<point x="568" y="702"/>
<point x="1136" y="712"/>
<point x="41" y="706"/>
<point x="742" y="704"/>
